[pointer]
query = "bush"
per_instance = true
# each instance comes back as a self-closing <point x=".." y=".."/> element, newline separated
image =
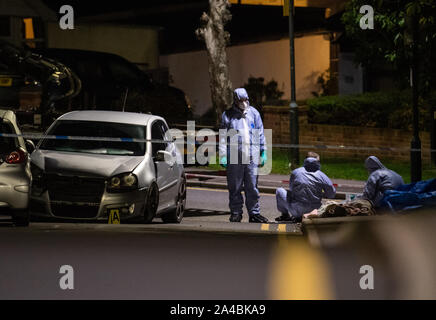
<point x="262" y="93"/>
<point x="374" y="109"/>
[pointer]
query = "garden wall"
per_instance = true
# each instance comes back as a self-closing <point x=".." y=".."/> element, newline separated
<point x="357" y="142"/>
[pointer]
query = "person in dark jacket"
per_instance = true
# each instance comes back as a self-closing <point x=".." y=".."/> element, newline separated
<point x="380" y="179"/>
<point x="307" y="186"/>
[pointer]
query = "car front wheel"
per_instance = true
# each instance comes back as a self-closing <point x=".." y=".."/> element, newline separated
<point x="176" y="215"/>
<point x="152" y="203"/>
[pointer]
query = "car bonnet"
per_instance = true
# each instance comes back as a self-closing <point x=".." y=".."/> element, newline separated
<point x="69" y="163"/>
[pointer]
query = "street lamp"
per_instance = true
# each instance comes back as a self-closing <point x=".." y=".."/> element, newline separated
<point x="415" y="152"/>
<point x="293" y="107"/>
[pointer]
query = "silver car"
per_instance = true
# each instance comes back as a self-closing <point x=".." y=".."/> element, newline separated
<point x="91" y="166"/>
<point x="15" y="173"/>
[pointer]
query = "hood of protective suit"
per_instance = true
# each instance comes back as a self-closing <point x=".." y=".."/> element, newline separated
<point x="372" y="164"/>
<point x="240" y="94"/>
<point x="308" y="185"/>
<point x="380" y="179"/>
<point x="311" y="164"/>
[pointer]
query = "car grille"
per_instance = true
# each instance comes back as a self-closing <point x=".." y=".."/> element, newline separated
<point x="74" y="211"/>
<point x="74" y="197"/>
<point x="74" y="189"/>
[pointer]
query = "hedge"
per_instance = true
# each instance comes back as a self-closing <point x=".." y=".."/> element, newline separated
<point x="374" y="109"/>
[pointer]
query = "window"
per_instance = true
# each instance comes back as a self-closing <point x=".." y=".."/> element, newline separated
<point x="158" y="131"/>
<point x="101" y="130"/>
<point x="90" y="69"/>
<point x="33" y="32"/>
<point x="123" y="71"/>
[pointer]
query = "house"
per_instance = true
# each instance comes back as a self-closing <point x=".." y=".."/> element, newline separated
<point x="259" y="44"/>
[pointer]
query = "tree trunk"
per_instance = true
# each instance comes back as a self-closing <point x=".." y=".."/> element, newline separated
<point x="216" y="38"/>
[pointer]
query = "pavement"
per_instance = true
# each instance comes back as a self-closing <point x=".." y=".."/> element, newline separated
<point x="207" y="257"/>
<point x="157" y="262"/>
<point x="131" y="262"/>
<point x="207" y="178"/>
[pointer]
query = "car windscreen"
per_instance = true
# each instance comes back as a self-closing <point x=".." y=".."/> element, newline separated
<point x="7" y="144"/>
<point x="69" y="132"/>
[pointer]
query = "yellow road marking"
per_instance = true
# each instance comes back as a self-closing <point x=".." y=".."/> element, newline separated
<point x="299" y="271"/>
<point x="281" y="227"/>
<point x="264" y="227"/>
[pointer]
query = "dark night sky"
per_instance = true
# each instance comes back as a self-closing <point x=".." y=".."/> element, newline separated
<point x="180" y="18"/>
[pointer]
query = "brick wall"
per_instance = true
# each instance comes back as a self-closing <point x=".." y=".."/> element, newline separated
<point x="358" y="142"/>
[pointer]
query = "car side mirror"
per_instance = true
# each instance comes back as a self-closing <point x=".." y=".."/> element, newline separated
<point x="163" y="155"/>
<point x="30" y="146"/>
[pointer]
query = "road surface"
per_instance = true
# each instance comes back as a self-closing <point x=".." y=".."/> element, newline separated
<point x="206" y="257"/>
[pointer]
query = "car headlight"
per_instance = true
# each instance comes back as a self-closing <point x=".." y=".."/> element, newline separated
<point x="122" y="182"/>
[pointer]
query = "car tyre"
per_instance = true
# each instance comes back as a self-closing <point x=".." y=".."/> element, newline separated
<point x="152" y="202"/>
<point x="176" y="215"/>
<point x="21" y="218"/>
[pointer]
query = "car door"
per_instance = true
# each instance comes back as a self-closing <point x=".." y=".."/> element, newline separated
<point x="165" y="177"/>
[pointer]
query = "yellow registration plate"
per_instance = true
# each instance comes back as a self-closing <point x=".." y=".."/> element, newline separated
<point x="114" y="216"/>
<point x="5" y="82"/>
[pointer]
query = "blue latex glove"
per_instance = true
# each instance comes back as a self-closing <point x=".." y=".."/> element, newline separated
<point x="263" y="158"/>
<point x="223" y="162"/>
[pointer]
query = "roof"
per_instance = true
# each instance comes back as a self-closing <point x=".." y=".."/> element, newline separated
<point x="109" y="116"/>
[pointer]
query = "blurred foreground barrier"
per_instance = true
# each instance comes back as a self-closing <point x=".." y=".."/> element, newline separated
<point x="399" y="250"/>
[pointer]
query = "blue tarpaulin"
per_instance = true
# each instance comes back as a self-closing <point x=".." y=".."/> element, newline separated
<point x="415" y="195"/>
